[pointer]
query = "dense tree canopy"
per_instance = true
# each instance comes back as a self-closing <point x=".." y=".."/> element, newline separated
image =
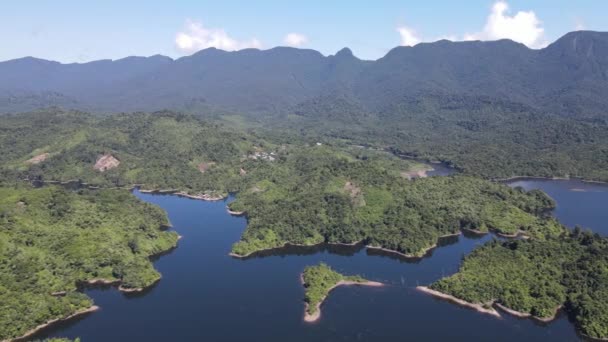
<point x="52" y="240"/>
<point x="537" y="277"/>
<point x="297" y="191"/>
<point x="319" y="195"/>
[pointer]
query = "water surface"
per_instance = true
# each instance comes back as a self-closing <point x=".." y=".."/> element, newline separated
<point x="578" y="203"/>
<point x="207" y="295"/>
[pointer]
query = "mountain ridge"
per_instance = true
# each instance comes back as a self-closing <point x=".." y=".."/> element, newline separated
<point x="567" y="78"/>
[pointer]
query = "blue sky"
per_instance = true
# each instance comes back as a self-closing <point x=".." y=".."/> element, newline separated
<point x="79" y="31"/>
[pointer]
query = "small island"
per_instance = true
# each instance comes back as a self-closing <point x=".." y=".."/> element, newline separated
<point x="318" y="281"/>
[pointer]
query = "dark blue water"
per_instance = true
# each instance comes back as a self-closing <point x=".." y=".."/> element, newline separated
<point x="578" y="202"/>
<point x="207" y="295"/>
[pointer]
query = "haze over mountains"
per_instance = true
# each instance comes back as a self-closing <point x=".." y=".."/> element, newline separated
<point x="568" y="78"/>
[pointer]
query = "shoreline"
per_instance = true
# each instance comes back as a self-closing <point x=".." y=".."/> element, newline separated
<point x="101" y="281"/>
<point x="91" y="282"/>
<point x="287" y="244"/>
<point x="423" y="252"/>
<point x="528" y="315"/>
<point x="130" y="290"/>
<point x="474" y="231"/>
<point x="120" y="287"/>
<point x="314" y="317"/>
<point x="493" y="305"/>
<point x="42" y="326"/>
<point x="407" y="256"/>
<point x="235" y="213"/>
<point x="523" y="178"/>
<point x="202" y="197"/>
<point x="180" y="193"/>
<point x="419" y="255"/>
<point x="477" y="307"/>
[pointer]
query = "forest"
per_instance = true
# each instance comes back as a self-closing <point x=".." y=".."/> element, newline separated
<point x="319" y="195"/>
<point x="538" y="277"/>
<point x="158" y="151"/>
<point x="304" y="189"/>
<point x="480" y="136"/>
<point x="53" y="241"/>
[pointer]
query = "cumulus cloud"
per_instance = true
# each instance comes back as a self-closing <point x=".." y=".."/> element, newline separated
<point x="195" y="36"/>
<point x="408" y="36"/>
<point x="295" y="39"/>
<point x="523" y="27"/>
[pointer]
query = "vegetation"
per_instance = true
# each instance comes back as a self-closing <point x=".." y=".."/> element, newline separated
<point x="537" y="277"/>
<point x="159" y="151"/>
<point x="52" y="240"/>
<point x="293" y="193"/>
<point x="317" y="194"/>
<point x="318" y="281"/>
<point x="493" y="109"/>
<point x="480" y="136"/>
<point x="524" y="113"/>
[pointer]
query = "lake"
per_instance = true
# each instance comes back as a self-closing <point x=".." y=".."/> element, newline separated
<point x="207" y="295"/>
<point x="578" y="203"/>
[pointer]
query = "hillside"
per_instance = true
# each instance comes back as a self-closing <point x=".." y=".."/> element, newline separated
<point x="567" y="78"/>
<point x="163" y="150"/>
<point x="53" y="241"/>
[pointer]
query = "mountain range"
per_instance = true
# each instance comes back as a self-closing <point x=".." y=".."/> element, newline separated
<point x="568" y="78"/>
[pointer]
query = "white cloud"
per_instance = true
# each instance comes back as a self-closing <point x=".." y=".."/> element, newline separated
<point x="523" y="27"/>
<point x="295" y="39"/>
<point x="196" y="37"/>
<point x="408" y="36"/>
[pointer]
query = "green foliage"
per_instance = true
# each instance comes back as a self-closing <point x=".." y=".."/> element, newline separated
<point x="159" y="151"/>
<point x="320" y="194"/>
<point x="298" y="193"/>
<point x="480" y="136"/>
<point x="319" y="280"/>
<point x="537" y="277"/>
<point x="52" y="239"/>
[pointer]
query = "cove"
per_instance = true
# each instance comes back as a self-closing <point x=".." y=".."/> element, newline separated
<point x="578" y="202"/>
<point x="207" y="295"/>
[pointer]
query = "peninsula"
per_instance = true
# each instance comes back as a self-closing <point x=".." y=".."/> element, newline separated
<point x="318" y="281"/>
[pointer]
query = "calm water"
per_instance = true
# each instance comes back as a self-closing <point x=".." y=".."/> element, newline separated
<point x="207" y="295"/>
<point x="578" y="202"/>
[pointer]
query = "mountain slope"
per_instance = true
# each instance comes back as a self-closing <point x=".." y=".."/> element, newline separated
<point x="569" y="78"/>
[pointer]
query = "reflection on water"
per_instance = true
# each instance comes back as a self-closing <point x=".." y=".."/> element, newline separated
<point x="207" y="295"/>
<point x="298" y="250"/>
<point x="347" y="250"/>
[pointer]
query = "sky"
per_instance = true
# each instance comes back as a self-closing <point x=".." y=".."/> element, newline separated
<point x="79" y="31"/>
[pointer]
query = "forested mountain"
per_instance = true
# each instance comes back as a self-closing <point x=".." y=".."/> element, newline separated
<point x="566" y="78"/>
<point x="294" y="151"/>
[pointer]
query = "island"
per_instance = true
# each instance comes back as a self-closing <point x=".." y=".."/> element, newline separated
<point x="318" y="281"/>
